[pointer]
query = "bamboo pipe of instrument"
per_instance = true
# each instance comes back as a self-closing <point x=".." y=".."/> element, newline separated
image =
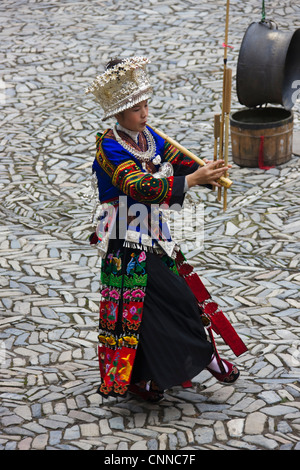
<point x="227" y="105"/>
<point x="216" y="136"/>
<point x="225" y="182"/>
<point x="222" y="124"/>
<point x="221" y="150"/>
<point x="226" y="144"/>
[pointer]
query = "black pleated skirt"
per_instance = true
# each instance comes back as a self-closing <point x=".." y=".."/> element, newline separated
<point x="173" y="346"/>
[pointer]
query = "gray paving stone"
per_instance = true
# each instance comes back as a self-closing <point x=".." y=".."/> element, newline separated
<point x="278" y="410"/>
<point x="204" y="435"/>
<point x="255" y="423"/>
<point x="72" y="433"/>
<point x="270" y="397"/>
<point x="269" y="444"/>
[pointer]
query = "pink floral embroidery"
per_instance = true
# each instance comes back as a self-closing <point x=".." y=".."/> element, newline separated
<point x="114" y="294"/>
<point x="127" y="294"/>
<point x="105" y="292"/>
<point x="138" y="293"/>
<point x="125" y="313"/>
<point x="142" y="257"/>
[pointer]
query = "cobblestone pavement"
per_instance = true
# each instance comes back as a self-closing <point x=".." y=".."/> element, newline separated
<point x="49" y="275"/>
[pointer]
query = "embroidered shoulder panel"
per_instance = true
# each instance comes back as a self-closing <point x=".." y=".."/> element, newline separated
<point x="101" y="158"/>
<point x="174" y="156"/>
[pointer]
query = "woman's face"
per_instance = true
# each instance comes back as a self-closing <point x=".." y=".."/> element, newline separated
<point x="134" y="118"/>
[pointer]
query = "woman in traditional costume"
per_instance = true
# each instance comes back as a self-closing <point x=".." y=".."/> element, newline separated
<point x="151" y="321"/>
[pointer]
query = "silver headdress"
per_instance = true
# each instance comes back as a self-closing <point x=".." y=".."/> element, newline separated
<point x="122" y="86"/>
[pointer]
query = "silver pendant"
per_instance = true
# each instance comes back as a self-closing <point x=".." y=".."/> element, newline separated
<point x="156" y="160"/>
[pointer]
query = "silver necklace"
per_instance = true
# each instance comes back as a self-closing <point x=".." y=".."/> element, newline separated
<point x="146" y="156"/>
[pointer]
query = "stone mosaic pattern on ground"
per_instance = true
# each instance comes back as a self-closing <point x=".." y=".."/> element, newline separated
<point x="49" y="275"/>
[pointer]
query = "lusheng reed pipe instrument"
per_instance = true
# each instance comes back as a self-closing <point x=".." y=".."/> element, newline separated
<point x="223" y="181"/>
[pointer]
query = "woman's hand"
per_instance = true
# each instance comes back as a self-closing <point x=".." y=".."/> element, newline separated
<point x="208" y="174"/>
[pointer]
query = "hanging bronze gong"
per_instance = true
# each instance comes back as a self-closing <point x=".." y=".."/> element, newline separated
<point x="268" y="69"/>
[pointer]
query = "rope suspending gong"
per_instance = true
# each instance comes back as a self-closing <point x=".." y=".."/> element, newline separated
<point x="263" y="12"/>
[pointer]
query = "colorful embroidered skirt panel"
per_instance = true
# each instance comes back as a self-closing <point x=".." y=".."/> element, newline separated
<point x="123" y="284"/>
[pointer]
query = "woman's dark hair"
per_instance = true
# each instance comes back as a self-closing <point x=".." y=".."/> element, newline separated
<point x="113" y="62"/>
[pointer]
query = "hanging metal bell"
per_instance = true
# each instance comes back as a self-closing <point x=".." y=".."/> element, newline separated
<point x="268" y="69"/>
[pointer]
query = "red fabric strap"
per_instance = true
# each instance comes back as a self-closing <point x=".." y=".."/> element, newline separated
<point x="219" y="323"/>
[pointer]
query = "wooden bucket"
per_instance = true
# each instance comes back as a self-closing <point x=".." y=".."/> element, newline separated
<point x="261" y="136"/>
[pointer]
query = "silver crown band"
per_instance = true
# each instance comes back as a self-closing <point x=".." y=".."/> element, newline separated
<point x="122" y="86"/>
